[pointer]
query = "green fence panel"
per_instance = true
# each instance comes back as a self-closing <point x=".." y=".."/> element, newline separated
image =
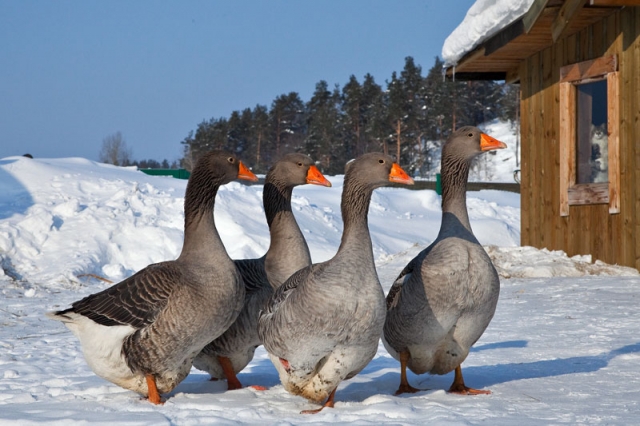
<point x="176" y="173"/>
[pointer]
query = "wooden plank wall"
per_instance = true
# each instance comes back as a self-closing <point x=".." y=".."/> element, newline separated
<point x="588" y="229"/>
<point x="630" y="143"/>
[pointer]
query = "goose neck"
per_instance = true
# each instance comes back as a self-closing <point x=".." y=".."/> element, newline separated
<point x="454" y="175"/>
<point x="276" y="198"/>
<point x="201" y="237"/>
<point x="355" y="207"/>
<point x="288" y="250"/>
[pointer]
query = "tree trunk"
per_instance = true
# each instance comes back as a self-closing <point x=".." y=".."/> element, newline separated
<point x="258" y="150"/>
<point x="398" y="132"/>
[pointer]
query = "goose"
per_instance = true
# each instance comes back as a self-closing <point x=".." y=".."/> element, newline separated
<point x="143" y="333"/>
<point x="322" y="326"/>
<point x="288" y="252"/>
<point x="444" y="299"/>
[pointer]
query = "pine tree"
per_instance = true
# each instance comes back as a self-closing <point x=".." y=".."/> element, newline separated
<point x="323" y="142"/>
<point x="260" y="131"/>
<point x="415" y="121"/>
<point x="186" y="162"/>
<point x="239" y="138"/>
<point x="352" y="106"/>
<point x="395" y="112"/>
<point x="374" y="124"/>
<point x="287" y="123"/>
<point x="438" y="118"/>
<point x="509" y="109"/>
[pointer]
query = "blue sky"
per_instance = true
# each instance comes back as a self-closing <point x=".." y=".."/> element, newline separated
<point x="74" y="72"/>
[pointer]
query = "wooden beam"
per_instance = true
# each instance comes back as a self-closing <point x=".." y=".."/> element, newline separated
<point x="531" y="17"/>
<point x="516" y="29"/>
<point x="589" y="69"/>
<point x="567" y="13"/>
<point x="466" y="59"/>
<point x="589" y="193"/>
<point x="486" y="76"/>
<point x="610" y="3"/>
<point x="613" y="127"/>
<point x="567" y="136"/>
<point x="513" y="76"/>
<point x="504" y="36"/>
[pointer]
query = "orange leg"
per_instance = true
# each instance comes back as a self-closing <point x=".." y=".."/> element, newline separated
<point x="405" y="387"/>
<point x="460" y="388"/>
<point x="329" y="403"/>
<point x="154" y="395"/>
<point x="232" y="380"/>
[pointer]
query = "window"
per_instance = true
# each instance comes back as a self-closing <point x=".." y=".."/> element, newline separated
<point x="589" y="141"/>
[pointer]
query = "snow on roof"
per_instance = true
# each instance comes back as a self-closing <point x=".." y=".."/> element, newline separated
<point x="484" y="19"/>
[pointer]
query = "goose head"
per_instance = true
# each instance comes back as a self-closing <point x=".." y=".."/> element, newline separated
<point x="296" y="169"/>
<point x="374" y="170"/>
<point x="468" y="142"/>
<point x="221" y="167"/>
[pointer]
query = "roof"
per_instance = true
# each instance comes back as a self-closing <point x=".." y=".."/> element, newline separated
<point x="499" y="56"/>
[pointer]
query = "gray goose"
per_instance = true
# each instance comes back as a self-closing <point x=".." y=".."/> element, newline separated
<point x="444" y="299"/>
<point x="288" y="252"/>
<point x="143" y="333"/>
<point x="322" y="326"/>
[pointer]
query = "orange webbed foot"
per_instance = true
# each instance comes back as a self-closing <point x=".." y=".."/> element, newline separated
<point x="464" y="390"/>
<point x="458" y="387"/>
<point x="329" y="404"/>
<point x="259" y="388"/>
<point x="407" y="388"/>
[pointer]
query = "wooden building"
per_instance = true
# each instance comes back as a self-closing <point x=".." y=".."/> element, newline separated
<point x="578" y="66"/>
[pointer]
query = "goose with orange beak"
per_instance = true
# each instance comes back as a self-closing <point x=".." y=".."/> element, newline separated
<point x="444" y="299"/>
<point x="322" y="326"/>
<point x="143" y="333"/>
<point x="288" y="252"/>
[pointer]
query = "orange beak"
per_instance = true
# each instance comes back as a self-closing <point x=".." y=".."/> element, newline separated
<point x="246" y="174"/>
<point x="487" y="143"/>
<point x="314" y="177"/>
<point x="397" y="175"/>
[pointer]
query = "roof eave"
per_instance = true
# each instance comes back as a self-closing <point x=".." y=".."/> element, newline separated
<point x="557" y="16"/>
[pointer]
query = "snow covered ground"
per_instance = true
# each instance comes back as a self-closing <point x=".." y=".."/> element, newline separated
<point x="563" y="347"/>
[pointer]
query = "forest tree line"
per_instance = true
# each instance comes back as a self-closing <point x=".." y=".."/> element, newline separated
<point x="409" y="118"/>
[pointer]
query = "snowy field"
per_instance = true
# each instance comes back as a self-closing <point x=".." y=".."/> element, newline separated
<point x="563" y="347"/>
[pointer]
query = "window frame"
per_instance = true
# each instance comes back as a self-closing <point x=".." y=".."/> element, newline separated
<point x="571" y="193"/>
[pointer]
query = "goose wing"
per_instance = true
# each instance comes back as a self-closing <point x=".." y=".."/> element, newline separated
<point x="285" y="290"/>
<point x="136" y="301"/>
<point x="446" y="277"/>
<point x="393" y="297"/>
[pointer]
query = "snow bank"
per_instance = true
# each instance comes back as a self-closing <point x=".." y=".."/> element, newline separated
<point x="558" y="348"/>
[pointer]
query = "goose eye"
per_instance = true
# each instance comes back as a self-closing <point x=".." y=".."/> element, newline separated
<point x="230" y="159"/>
<point x="299" y="164"/>
<point x="470" y="135"/>
<point x="381" y="161"/>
